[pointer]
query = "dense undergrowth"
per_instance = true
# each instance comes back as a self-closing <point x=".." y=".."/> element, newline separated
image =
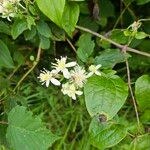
<point x="101" y="100"/>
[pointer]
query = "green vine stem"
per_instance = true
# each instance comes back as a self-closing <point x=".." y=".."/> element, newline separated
<point x="30" y="70"/>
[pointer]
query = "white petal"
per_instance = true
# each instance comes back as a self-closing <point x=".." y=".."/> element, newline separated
<point x="71" y="64"/>
<point x="89" y="74"/>
<point x="55" y="81"/>
<point x="54" y="71"/>
<point x="98" y="73"/>
<point x="47" y="83"/>
<point x="74" y="97"/>
<point x="66" y="73"/>
<point x="79" y="92"/>
<point x="98" y="66"/>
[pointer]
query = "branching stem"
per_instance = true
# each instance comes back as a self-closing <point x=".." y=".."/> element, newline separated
<point x="129" y="49"/>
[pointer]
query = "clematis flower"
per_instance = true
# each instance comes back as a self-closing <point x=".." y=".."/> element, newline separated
<point x="94" y="70"/>
<point x="48" y="76"/>
<point x="70" y="90"/>
<point x="78" y="76"/>
<point x="61" y="66"/>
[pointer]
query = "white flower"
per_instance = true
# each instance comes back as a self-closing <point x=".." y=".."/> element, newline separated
<point x="61" y="66"/>
<point x="70" y="90"/>
<point x="78" y="76"/>
<point x="8" y="8"/>
<point x="94" y="70"/>
<point x="48" y="76"/>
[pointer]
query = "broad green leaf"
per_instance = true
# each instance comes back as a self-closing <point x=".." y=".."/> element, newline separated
<point x="106" y="134"/>
<point x="26" y="132"/>
<point x="52" y="9"/>
<point x="18" y="27"/>
<point x="142" y="2"/>
<point x="70" y="17"/>
<point x="141" y="143"/>
<point x="142" y="92"/>
<point x="141" y="35"/>
<point x="110" y="57"/>
<point x="44" y="29"/>
<point x="5" y="57"/>
<point x="105" y="95"/>
<point x="85" y="47"/>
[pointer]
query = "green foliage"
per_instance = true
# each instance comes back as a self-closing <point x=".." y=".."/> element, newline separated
<point x="27" y="132"/>
<point x="141" y="142"/>
<point x="110" y="57"/>
<point x="52" y="9"/>
<point x="142" y="92"/>
<point x="5" y="57"/>
<point x="70" y="17"/>
<point x="18" y="27"/>
<point x="85" y="47"/>
<point x="99" y="35"/>
<point x="106" y="134"/>
<point x="102" y="93"/>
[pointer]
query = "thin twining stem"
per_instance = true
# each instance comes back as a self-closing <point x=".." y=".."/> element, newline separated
<point x="129" y="49"/>
<point x="30" y="70"/>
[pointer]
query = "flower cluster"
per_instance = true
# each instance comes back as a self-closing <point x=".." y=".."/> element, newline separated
<point x="8" y="8"/>
<point x="75" y="77"/>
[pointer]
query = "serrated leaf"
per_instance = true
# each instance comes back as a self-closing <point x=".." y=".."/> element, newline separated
<point x="86" y="47"/>
<point x="106" y="135"/>
<point x="142" y="92"/>
<point x="141" y="35"/>
<point x="5" y="57"/>
<point x="105" y="95"/>
<point x="141" y="143"/>
<point x="52" y="9"/>
<point x="110" y="57"/>
<point x="70" y="17"/>
<point x="26" y="132"/>
<point x="18" y="27"/>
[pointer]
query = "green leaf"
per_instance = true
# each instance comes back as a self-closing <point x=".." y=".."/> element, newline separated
<point x="44" y="29"/>
<point x="110" y="57"/>
<point x="26" y="132"/>
<point x="105" y="135"/>
<point x="70" y="17"/>
<point x="30" y="22"/>
<point x="5" y="57"/>
<point x="18" y="27"/>
<point x="141" y="143"/>
<point x="86" y="46"/>
<point x="142" y="2"/>
<point x="4" y="28"/>
<point x="105" y="95"/>
<point x="118" y="36"/>
<point x="52" y="9"/>
<point x="44" y="42"/>
<point x="142" y="92"/>
<point x="141" y="35"/>
<point x="30" y="34"/>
